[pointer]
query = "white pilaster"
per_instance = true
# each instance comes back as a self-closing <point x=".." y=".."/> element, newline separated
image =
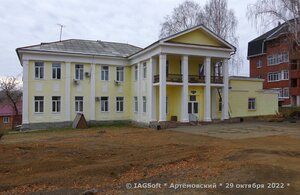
<point x="25" y="111"/>
<point x="68" y="91"/>
<point x="152" y="90"/>
<point x="92" y="92"/>
<point x="207" y="99"/>
<point x="225" y="91"/>
<point x="162" y="87"/>
<point x="185" y="89"/>
<point x="214" y="105"/>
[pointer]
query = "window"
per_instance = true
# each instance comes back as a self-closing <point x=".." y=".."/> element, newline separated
<point x="104" y="104"/>
<point x="144" y="70"/>
<point x="285" y="75"/>
<point x="78" y="104"/>
<point x="39" y="70"/>
<point x="79" y="72"/>
<point x="258" y="64"/>
<point x="220" y="104"/>
<point x="120" y="74"/>
<point x="135" y="72"/>
<point x="285" y="57"/>
<point x="5" y="119"/>
<point x="251" y="104"/>
<point x="285" y="92"/>
<point x="278" y="58"/>
<point x="56" y="71"/>
<point x="39" y="104"/>
<point x="56" y="104"/>
<point x="144" y="104"/>
<point x="136" y="104"/>
<point x="120" y="104"/>
<point x="274" y="76"/>
<point x="104" y="73"/>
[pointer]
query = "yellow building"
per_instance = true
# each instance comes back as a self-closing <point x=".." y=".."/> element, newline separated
<point x="183" y="77"/>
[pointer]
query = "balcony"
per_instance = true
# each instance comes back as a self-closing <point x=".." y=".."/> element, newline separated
<point x="175" y="78"/>
<point x="196" y="79"/>
<point x="216" y="79"/>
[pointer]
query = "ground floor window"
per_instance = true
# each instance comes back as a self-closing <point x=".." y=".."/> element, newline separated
<point x="220" y="104"/>
<point x="5" y="119"/>
<point x="104" y="103"/>
<point x="251" y="104"/>
<point x="120" y="104"/>
<point x="144" y="104"/>
<point x="136" y="104"/>
<point x="39" y="104"/>
<point x="56" y="103"/>
<point x="78" y="103"/>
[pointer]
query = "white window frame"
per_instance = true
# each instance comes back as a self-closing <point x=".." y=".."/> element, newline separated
<point x="285" y="75"/>
<point x="135" y="104"/>
<point x="80" y="69"/>
<point x="120" y="74"/>
<point x="274" y="76"/>
<point x="56" y="67"/>
<point x="40" y="68"/>
<point x="5" y="119"/>
<point x="119" y="103"/>
<point x="105" y="102"/>
<point x="251" y="104"/>
<point x="79" y="102"/>
<point x="285" y="92"/>
<point x="56" y="103"/>
<point x="259" y="63"/>
<point x="104" y="73"/>
<point x="39" y="103"/>
<point x="144" y="70"/>
<point x="144" y="104"/>
<point x="136" y="72"/>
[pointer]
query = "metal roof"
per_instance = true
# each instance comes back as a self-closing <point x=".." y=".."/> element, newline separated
<point x="86" y="47"/>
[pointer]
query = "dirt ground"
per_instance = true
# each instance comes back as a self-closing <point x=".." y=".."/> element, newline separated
<point x="106" y="159"/>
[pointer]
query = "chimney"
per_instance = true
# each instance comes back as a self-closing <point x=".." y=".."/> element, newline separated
<point x="279" y="23"/>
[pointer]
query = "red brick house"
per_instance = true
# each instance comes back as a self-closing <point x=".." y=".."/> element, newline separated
<point x="8" y="117"/>
<point x="272" y="59"/>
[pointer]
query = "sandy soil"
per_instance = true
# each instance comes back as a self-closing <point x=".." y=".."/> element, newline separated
<point x="105" y="159"/>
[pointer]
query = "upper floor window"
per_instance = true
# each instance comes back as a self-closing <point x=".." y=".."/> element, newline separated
<point x="285" y="92"/>
<point x="78" y="103"/>
<point x="278" y="58"/>
<point x="5" y="119"/>
<point x="258" y="64"/>
<point x="135" y="72"/>
<point x="56" y="71"/>
<point x="144" y="70"/>
<point x="56" y="103"/>
<point x="79" y="72"/>
<point x="274" y="76"/>
<point x="120" y="104"/>
<point x="104" y="104"/>
<point x="104" y="73"/>
<point x="39" y="70"/>
<point x="285" y="75"/>
<point x="251" y="104"/>
<point x="38" y="104"/>
<point x="120" y="74"/>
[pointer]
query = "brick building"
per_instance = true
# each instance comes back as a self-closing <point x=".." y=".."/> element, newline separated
<point x="272" y="59"/>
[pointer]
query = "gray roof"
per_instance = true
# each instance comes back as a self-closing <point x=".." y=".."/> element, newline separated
<point x="88" y="47"/>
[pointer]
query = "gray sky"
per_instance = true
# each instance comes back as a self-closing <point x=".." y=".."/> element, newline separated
<point x="28" y="22"/>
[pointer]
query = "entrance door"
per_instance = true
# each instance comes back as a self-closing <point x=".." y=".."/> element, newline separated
<point x="193" y="108"/>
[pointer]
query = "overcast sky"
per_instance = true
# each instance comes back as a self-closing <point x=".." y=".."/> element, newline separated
<point x="28" y="22"/>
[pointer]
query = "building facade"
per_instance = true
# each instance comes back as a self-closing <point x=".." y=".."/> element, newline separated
<point x="271" y="58"/>
<point x="176" y="78"/>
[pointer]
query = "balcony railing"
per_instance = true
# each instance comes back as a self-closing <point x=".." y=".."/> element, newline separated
<point x="216" y="79"/>
<point x="176" y="78"/>
<point x="196" y="79"/>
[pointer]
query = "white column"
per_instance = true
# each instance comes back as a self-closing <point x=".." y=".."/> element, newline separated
<point x="298" y="100"/>
<point x="139" y="86"/>
<point x="92" y="95"/>
<point x="152" y="90"/>
<point x="207" y="99"/>
<point x="25" y="111"/>
<point x="185" y="89"/>
<point x="162" y="87"/>
<point x="68" y="91"/>
<point x="225" y="91"/>
<point x="214" y="104"/>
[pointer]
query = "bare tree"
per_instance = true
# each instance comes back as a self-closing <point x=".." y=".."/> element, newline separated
<point x="215" y="15"/>
<point x="10" y="86"/>
<point x="188" y="14"/>
<point x="267" y="12"/>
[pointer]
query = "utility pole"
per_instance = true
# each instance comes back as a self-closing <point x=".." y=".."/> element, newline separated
<point x="61" y="28"/>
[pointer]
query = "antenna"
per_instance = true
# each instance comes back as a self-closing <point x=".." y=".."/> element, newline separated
<point x="61" y="28"/>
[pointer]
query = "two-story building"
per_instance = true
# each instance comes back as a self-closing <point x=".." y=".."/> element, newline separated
<point x="182" y="77"/>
